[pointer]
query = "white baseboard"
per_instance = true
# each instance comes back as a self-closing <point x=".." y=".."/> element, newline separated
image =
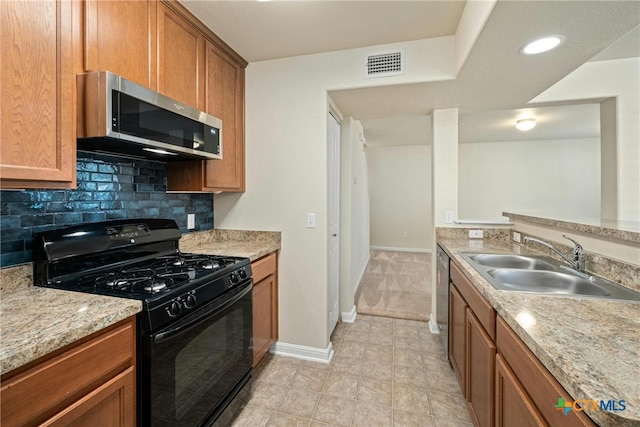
<point x="349" y="317"/>
<point x="390" y="248"/>
<point x="364" y="268"/>
<point x="313" y="354"/>
<point x="434" y="328"/>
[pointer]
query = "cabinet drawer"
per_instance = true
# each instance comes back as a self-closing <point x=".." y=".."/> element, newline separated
<point x="481" y="308"/>
<point x="263" y="267"/>
<point x="541" y="386"/>
<point x="37" y="393"/>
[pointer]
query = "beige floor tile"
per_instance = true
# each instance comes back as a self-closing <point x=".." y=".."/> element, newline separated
<point x="347" y="365"/>
<point x="285" y="420"/>
<point x="382" y="353"/>
<point x="368" y="415"/>
<point x="334" y="410"/>
<point x="376" y="392"/>
<point x="439" y="422"/>
<point x="381" y="339"/>
<point x="449" y="406"/>
<point x="410" y="375"/>
<point x="253" y="417"/>
<point x="309" y="379"/>
<point x="411" y="398"/>
<point x="407" y="358"/>
<point x="267" y="395"/>
<point x="442" y="380"/>
<point x="300" y="403"/>
<point x="279" y="372"/>
<point x="412" y="419"/>
<point x="407" y="343"/>
<point x="357" y="336"/>
<point x="377" y="370"/>
<point x="341" y="385"/>
<point x="351" y="349"/>
<point x="316" y="365"/>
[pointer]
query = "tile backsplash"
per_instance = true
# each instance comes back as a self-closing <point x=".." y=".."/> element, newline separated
<point x="109" y="187"/>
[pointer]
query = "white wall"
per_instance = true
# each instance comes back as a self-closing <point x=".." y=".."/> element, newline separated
<point x="563" y="176"/>
<point x="286" y="166"/>
<point x="612" y="79"/>
<point x="354" y="213"/>
<point x="400" y="188"/>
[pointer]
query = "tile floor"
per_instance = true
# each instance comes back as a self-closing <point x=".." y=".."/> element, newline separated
<point x="396" y="284"/>
<point x="385" y="372"/>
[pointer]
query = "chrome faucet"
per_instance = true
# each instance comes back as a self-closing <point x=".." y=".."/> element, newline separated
<point x="577" y="263"/>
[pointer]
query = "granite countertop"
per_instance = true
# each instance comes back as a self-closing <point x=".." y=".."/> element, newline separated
<point x="241" y="243"/>
<point x="591" y="346"/>
<point x="37" y="321"/>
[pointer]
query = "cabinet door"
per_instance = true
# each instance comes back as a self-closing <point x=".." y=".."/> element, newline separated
<point x="121" y="38"/>
<point x="225" y="100"/>
<point x="180" y="58"/>
<point x="112" y="404"/>
<point x="514" y="408"/>
<point x="457" y="336"/>
<point x="37" y="128"/>
<point x="481" y="356"/>
<point x="264" y="330"/>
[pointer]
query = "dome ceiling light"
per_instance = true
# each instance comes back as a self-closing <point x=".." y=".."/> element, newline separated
<point x="542" y="45"/>
<point x="526" y="124"/>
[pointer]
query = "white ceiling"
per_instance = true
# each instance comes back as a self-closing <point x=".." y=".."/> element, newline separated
<point x="495" y="81"/>
<point x="277" y="29"/>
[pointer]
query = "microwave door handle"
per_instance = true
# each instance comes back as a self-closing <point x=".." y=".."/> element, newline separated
<point x="180" y="329"/>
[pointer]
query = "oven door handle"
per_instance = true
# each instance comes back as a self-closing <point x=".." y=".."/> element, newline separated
<point x="177" y="330"/>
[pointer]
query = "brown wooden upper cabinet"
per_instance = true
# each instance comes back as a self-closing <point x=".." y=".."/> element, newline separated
<point x="224" y="98"/>
<point x="37" y="95"/>
<point x="180" y="58"/>
<point x="120" y="36"/>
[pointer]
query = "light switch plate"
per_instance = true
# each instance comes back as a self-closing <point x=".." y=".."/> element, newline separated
<point x="448" y="217"/>
<point x="191" y="221"/>
<point x="311" y="220"/>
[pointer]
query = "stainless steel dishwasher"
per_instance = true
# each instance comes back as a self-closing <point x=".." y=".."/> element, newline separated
<point x="442" y="301"/>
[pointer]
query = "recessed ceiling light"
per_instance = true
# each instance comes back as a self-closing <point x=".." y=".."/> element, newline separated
<point x="526" y="124"/>
<point x="542" y="45"/>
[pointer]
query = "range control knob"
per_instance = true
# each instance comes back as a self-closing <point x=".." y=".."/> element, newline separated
<point x="190" y="301"/>
<point x="175" y="309"/>
<point x="242" y="274"/>
<point x="233" y="278"/>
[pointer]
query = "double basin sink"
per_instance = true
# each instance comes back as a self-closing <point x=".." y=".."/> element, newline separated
<point x="543" y="275"/>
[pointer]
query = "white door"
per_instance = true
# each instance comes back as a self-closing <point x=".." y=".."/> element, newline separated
<point x="333" y="145"/>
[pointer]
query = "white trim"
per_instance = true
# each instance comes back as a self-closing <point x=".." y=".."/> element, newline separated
<point x="390" y="248"/>
<point x="350" y="316"/>
<point x="434" y="328"/>
<point x="313" y="354"/>
<point x="364" y="268"/>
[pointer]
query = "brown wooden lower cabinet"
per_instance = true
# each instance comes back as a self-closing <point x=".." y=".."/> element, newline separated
<point x="457" y="341"/>
<point x="540" y="386"/>
<point x="503" y="382"/>
<point x="90" y="383"/>
<point x="514" y="408"/>
<point x="481" y="356"/>
<point x="265" y="306"/>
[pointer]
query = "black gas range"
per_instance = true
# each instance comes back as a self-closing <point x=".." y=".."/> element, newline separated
<point x="195" y="329"/>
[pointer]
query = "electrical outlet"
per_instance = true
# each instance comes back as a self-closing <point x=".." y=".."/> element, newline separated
<point x="404" y="234"/>
<point x="311" y="220"/>
<point x="191" y="221"/>
<point x="476" y="234"/>
<point x="448" y="217"/>
<point x="516" y="237"/>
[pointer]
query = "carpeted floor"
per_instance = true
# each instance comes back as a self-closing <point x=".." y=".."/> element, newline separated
<point x="396" y="284"/>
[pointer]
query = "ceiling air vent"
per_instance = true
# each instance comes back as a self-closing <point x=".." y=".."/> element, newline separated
<point x="384" y="64"/>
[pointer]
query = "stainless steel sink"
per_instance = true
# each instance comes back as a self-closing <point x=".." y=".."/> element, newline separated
<point x="544" y="275"/>
<point x="548" y="282"/>
<point x="514" y="261"/>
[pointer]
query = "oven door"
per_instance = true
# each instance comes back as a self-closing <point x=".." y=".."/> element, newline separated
<point x="191" y="370"/>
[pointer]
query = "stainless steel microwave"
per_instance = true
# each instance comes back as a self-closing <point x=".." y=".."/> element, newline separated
<point x="117" y="116"/>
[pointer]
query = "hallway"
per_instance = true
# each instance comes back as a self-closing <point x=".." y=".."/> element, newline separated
<point x="396" y="284"/>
